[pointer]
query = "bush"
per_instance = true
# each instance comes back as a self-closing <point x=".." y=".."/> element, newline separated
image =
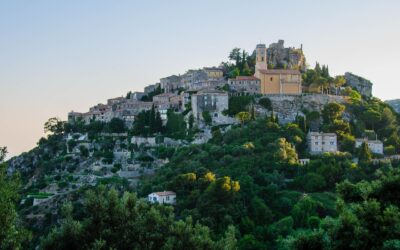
<point x="207" y="117"/>
<point x="265" y="103"/>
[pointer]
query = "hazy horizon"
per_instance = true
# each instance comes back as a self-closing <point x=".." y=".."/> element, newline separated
<point x="63" y="56"/>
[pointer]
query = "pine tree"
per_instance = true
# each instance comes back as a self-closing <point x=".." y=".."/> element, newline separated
<point x="158" y="123"/>
<point x="152" y="119"/>
<point x="364" y="154"/>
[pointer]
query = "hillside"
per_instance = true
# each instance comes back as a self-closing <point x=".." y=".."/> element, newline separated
<point x="247" y="171"/>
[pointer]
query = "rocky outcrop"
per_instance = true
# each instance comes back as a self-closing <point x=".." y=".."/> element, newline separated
<point x="362" y="85"/>
<point x="287" y="107"/>
<point x="280" y="57"/>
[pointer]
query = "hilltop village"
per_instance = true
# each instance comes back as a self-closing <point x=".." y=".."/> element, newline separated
<point x="277" y="74"/>
<point x="262" y="121"/>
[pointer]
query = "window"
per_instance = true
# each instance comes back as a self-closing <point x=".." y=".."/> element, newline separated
<point x="316" y="143"/>
<point x="167" y="198"/>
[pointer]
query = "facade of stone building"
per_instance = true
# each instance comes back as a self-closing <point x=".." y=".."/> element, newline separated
<point x="276" y="81"/>
<point x="245" y="84"/>
<point x="150" y="88"/>
<point x="322" y="142"/>
<point x="214" y="72"/>
<point x="170" y="83"/>
<point x="137" y="96"/>
<point x="202" y="78"/>
<point x="212" y="101"/>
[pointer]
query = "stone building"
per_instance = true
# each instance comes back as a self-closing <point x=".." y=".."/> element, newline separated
<point x="151" y="88"/>
<point x="214" y="72"/>
<point x="276" y="81"/>
<point x="74" y="116"/>
<point x="212" y="101"/>
<point x="245" y="84"/>
<point x="171" y="83"/>
<point x="322" y="142"/>
<point x="202" y="78"/>
<point x="358" y="83"/>
<point x="137" y="96"/>
<point x="376" y="146"/>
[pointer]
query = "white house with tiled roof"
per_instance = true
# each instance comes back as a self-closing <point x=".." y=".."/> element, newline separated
<point x="376" y="146"/>
<point x="165" y="197"/>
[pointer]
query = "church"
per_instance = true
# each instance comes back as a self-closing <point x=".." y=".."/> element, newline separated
<point x="276" y="81"/>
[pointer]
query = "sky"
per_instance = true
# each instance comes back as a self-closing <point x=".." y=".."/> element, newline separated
<point x="58" y="56"/>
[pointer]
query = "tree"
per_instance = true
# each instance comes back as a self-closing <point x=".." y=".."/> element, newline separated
<point x="371" y="117"/>
<point x="339" y="81"/>
<point x="191" y="121"/>
<point x="243" y="117"/>
<point x="332" y="111"/>
<point x="116" y="125"/>
<point x="158" y="124"/>
<point x="125" y="222"/>
<point x="207" y="117"/>
<point x="54" y="125"/>
<point x="234" y="55"/>
<point x="3" y="153"/>
<point x="265" y="103"/>
<point x="12" y="235"/>
<point x="364" y="154"/>
<point x="152" y="119"/>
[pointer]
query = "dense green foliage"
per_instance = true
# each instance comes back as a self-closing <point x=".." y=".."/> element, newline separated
<point x="115" y="222"/>
<point x="243" y="189"/>
<point x="241" y="63"/>
<point x="12" y="234"/>
<point x="148" y="123"/>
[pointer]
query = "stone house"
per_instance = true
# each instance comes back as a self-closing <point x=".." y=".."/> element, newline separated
<point x="212" y="101"/>
<point x="214" y="72"/>
<point x="319" y="142"/>
<point x="171" y="83"/>
<point x="166" y="197"/>
<point x="137" y="96"/>
<point x="376" y="146"/>
<point x="245" y="84"/>
<point x="150" y="88"/>
<point x="163" y="98"/>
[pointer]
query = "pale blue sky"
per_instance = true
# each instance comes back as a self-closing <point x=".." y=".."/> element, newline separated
<point x="57" y="56"/>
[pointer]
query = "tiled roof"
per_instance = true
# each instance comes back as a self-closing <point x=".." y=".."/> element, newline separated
<point x="211" y="91"/>
<point x="280" y="71"/>
<point x="165" y="193"/>
<point x="246" y="78"/>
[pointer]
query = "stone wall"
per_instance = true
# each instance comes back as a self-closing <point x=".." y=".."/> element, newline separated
<point x="287" y="107"/>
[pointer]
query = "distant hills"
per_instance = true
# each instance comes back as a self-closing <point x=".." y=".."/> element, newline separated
<point x="395" y="104"/>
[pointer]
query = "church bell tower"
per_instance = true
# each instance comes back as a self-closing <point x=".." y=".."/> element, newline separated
<point x="261" y="59"/>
